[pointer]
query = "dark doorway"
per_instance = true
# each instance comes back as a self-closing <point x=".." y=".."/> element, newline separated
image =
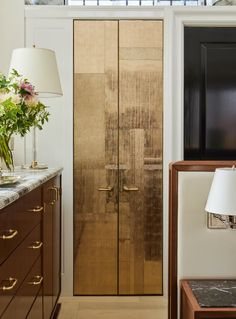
<point x="209" y="93"/>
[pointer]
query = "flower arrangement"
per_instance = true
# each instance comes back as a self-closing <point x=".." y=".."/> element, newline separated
<point x="20" y="110"/>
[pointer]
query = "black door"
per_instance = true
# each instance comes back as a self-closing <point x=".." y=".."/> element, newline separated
<point x="209" y="93"/>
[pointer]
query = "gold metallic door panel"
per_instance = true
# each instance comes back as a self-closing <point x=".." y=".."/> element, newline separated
<point x="95" y="157"/>
<point x="140" y="157"/>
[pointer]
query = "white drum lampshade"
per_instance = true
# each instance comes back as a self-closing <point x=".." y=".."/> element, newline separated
<point x="39" y="67"/>
<point x="222" y="196"/>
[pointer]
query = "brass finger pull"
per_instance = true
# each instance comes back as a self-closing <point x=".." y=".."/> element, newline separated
<point x="10" y="284"/>
<point x="8" y="234"/>
<point x="105" y="189"/>
<point x="36" y="280"/>
<point x="130" y="189"/>
<point x="36" y="245"/>
<point x="37" y="209"/>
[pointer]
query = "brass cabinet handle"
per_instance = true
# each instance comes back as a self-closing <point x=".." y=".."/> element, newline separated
<point x="11" y="284"/>
<point x="130" y="189"/>
<point x="35" y="281"/>
<point x="56" y="191"/>
<point x="36" y="209"/>
<point x="105" y="189"/>
<point x="8" y="234"/>
<point x="36" y="245"/>
<point x="56" y="194"/>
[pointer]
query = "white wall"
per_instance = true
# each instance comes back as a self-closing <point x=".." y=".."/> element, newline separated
<point x="55" y="141"/>
<point x="11" y="37"/>
<point x="12" y="30"/>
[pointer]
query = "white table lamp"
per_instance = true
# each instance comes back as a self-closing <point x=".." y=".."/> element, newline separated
<point x="222" y="196"/>
<point x="39" y="67"/>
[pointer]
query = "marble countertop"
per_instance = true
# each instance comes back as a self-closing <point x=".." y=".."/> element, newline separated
<point x="214" y="293"/>
<point x="30" y="179"/>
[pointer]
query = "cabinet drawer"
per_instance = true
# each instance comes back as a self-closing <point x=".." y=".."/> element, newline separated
<point x="17" y="220"/>
<point x="22" y="302"/>
<point x="36" y="311"/>
<point x="18" y="265"/>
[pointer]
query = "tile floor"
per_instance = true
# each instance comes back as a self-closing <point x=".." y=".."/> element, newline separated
<point x="113" y="308"/>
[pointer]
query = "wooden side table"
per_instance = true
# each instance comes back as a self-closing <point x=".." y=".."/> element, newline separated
<point x="190" y="308"/>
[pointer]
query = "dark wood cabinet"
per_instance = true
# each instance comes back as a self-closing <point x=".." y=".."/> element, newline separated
<point x="51" y="250"/>
<point x="56" y="241"/>
<point x="36" y="312"/>
<point x="30" y="255"/>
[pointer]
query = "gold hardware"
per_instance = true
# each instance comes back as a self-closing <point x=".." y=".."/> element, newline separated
<point x="55" y="190"/>
<point x="34" y="164"/>
<point x="36" y="245"/>
<point x="130" y="189"/>
<point x="12" y="282"/>
<point x="37" y="209"/>
<point x="36" y="280"/>
<point x="8" y="234"/>
<point x="105" y="189"/>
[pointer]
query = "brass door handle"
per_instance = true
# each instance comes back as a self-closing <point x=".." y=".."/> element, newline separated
<point x="8" y="234"/>
<point x="10" y="285"/>
<point x="37" y="209"/>
<point x="130" y="189"/>
<point x="35" y="281"/>
<point x="36" y="245"/>
<point x="105" y="189"/>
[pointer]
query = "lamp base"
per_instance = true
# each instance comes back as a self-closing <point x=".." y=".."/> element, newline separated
<point x="35" y="165"/>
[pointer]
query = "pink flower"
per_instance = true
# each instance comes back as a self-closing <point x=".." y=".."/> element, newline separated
<point x="28" y="88"/>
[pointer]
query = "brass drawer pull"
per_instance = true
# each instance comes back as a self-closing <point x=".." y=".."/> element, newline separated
<point x="8" y="234"/>
<point x="130" y="189"/>
<point x="105" y="189"/>
<point x="37" y="209"/>
<point x="11" y="284"/>
<point x="36" y="245"/>
<point x="36" y="280"/>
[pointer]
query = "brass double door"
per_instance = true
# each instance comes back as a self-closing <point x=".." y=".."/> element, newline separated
<point x="118" y="89"/>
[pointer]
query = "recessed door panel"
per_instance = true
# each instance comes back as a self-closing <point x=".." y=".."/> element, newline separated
<point x="209" y="93"/>
<point x="118" y="157"/>
<point x="95" y="157"/>
<point x="140" y="157"/>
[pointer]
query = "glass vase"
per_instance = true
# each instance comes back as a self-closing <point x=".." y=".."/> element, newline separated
<point x="6" y="152"/>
